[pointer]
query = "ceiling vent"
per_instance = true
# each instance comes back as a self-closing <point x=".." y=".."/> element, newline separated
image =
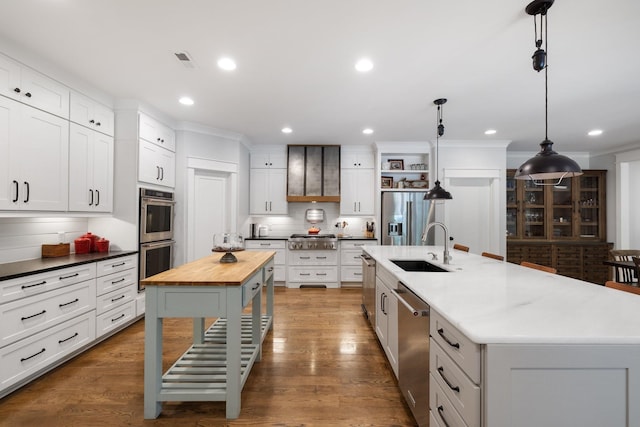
<point x="185" y="59"/>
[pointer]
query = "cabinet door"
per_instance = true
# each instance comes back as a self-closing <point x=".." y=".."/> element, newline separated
<point x="86" y="112"/>
<point x="43" y="93"/>
<point x="381" y="312"/>
<point x="268" y="191"/>
<point x="9" y="78"/>
<point x="43" y="154"/>
<point x="268" y="160"/>
<point x="102" y="173"/>
<point x="9" y="125"/>
<point x="278" y="191"/>
<point x="156" y="165"/>
<point x="356" y="160"/>
<point x="153" y="131"/>
<point x="81" y="195"/>
<point x="357" y="193"/>
<point x="591" y="206"/>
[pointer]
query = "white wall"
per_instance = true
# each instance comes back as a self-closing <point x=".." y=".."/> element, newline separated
<point x="628" y="199"/>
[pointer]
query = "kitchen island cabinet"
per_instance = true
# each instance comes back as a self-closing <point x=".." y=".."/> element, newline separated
<point x="526" y="340"/>
<point x="199" y="289"/>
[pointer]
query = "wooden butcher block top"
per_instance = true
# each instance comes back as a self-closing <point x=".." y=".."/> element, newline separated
<point x="209" y="271"/>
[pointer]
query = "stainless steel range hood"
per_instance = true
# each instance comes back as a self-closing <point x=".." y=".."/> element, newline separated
<point x="313" y="173"/>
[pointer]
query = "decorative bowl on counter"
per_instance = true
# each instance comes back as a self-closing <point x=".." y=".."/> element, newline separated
<point x="228" y="243"/>
<point x="313" y="230"/>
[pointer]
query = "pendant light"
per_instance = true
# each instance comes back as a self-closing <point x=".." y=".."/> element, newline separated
<point x="547" y="164"/>
<point x="437" y="192"/>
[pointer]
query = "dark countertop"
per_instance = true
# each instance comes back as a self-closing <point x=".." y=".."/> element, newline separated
<point x="16" y="269"/>
<point x="287" y="238"/>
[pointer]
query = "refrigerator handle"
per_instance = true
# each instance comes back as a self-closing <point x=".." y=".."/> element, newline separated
<point x="409" y="232"/>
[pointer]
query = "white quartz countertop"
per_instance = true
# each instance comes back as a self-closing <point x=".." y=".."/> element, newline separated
<point x="499" y="302"/>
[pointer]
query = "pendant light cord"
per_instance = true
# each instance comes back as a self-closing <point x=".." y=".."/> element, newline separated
<point x="546" y="79"/>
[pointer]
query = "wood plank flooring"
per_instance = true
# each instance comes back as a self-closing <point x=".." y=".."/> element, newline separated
<point x="321" y="366"/>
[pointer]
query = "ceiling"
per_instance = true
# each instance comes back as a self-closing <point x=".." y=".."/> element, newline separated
<point x="296" y="66"/>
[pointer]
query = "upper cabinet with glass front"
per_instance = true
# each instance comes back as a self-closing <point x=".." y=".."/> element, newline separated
<point x="573" y="209"/>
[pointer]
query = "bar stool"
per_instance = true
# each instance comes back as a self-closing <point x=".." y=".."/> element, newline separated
<point x="494" y="256"/>
<point x="539" y="267"/>
<point x="461" y="247"/>
<point x="622" y="287"/>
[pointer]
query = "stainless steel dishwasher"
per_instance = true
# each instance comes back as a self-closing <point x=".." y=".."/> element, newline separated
<point x="369" y="288"/>
<point x="413" y="352"/>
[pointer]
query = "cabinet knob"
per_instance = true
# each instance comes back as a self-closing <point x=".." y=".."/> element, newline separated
<point x="28" y="94"/>
<point x="97" y="123"/>
<point x="16" y="90"/>
<point x="92" y="121"/>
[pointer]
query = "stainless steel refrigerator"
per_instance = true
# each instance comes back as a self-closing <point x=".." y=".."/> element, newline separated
<point x="404" y="217"/>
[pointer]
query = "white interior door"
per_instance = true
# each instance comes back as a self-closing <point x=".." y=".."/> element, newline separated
<point x="210" y="214"/>
<point x="473" y="215"/>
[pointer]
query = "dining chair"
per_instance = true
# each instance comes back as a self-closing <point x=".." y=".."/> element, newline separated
<point x="539" y="267"/>
<point x="636" y="261"/>
<point x="461" y="247"/>
<point x="494" y="256"/>
<point x="625" y="275"/>
<point x="622" y="286"/>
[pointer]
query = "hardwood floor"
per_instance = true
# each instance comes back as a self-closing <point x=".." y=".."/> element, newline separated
<point x="321" y="366"/>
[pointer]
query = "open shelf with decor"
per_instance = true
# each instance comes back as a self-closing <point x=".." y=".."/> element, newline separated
<point x="404" y="171"/>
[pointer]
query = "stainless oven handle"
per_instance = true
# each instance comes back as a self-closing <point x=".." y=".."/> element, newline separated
<point x="366" y="260"/>
<point x="155" y="201"/>
<point x="415" y="312"/>
<point x="157" y="244"/>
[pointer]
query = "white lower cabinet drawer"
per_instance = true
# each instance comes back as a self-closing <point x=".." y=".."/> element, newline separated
<point x="279" y="273"/>
<point x="116" y="298"/>
<point x="251" y="287"/>
<point x="461" y="391"/>
<point x="34" y="284"/>
<point x="113" y="319"/>
<point x="26" y="357"/>
<point x="461" y="349"/>
<point x="113" y="265"/>
<point x="27" y="316"/>
<point x="350" y="258"/>
<point x="315" y="274"/>
<point x="351" y="273"/>
<point x="313" y="258"/>
<point x="117" y="280"/>
<point x="441" y="407"/>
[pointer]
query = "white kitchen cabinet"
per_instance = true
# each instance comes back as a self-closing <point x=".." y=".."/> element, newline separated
<point x="357" y="192"/>
<point x="356" y="160"/>
<point x="280" y="259"/>
<point x="387" y="322"/>
<point x="268" y="192"/>
<point x="275" y="159"/>
<point x="25" y="85"/>
<point x="90" y="170"/>
<point x="117" y="290"/>
<point x="350" y="261"/>
<point x="34" y="158"/>
<point x="158" y="133"/>
<point x="91" y="114"/>
<point x="156" y="165"/>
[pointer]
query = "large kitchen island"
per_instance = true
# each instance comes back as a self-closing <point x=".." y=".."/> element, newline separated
<point x="512" y="346"/>
<point x="218" y="363"/>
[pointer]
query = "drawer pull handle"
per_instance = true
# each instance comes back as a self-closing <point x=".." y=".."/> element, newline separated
<point x="265" y="244"/>
<point x="69" y="276"/>
<point x="270" y="269"/>
<point x="68" y="303"/>
<point x="256" y="287"/>
<point x="321" y="274"/>
<point x="116" y="299"/>
<point x="118" y="318"/>
<point x="118" y="265"/>
<point x="305" y="257"/>
<point x="452" y="344"/>
<point x="321" y="257"/>
<point x="357" y="274"/>
<point x="440" y="411"/>
<point x="358" y="244"/>
<point x="67" y="339"/>
<point x="117" y="281"/>
<point x="35" y="284"/>
<point x="34" y="315"/>
<point x="33" y="355"/>
<point x="451" y="386"/>
<point x="305" y="274"/>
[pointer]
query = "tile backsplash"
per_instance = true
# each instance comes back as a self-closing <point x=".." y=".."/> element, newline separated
<point x="295" y="222"/>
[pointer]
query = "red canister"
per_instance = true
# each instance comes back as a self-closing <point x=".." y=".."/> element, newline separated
<point x="92" y="238"/>
<point x="82" y="245"/>
<point x="102" y="245"/>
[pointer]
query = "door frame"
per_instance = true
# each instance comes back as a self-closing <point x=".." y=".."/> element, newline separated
<point x="223" y="169"/>
<point x="497" y="204"/>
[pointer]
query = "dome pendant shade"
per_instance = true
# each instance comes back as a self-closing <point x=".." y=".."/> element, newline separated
<point x="548" y="164"/>
<point x="437" y="193"/>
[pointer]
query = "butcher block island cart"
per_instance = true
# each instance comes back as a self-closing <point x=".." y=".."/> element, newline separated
<point x="218" y="363"/>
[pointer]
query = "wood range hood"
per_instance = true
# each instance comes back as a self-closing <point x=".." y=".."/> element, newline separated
<point x="313" y="173"/>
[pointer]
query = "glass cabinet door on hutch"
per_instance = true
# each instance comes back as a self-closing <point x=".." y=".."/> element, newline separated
<point x="573" y="209"/>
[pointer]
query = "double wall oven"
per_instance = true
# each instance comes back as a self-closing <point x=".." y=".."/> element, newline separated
<point x="156" y="232"/>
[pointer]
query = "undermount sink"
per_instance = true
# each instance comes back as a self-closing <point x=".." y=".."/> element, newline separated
<point x="418" y="265"/>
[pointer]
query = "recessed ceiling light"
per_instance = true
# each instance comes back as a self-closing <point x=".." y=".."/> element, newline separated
<point x="287" y="130"/>
<point x="490" y="132"/>
<point x="227" y="64"/>
<point x="185" y="100"/>
<point x="364" y="65"/>
<point x="367" y="131"/>
<point x="595" y="132"/>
